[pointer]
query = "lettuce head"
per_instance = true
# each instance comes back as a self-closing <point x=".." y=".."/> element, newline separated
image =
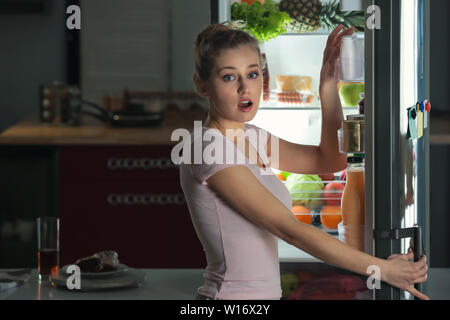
<point x="305" y="190"/>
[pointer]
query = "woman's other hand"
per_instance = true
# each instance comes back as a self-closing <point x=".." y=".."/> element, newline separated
<point x="403" y="273"/>
<point x="328" y="74"/>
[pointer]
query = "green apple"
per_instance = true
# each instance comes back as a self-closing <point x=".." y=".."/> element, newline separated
<point x="349" y="94"/>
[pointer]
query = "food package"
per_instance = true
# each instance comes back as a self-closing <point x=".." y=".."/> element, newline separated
<point x="294" y="83"/>
<point x="292" y="97"/>
<point x="293" y="89"/>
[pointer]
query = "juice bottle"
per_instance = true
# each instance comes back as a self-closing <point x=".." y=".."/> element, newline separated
<point x="352" y="205"/>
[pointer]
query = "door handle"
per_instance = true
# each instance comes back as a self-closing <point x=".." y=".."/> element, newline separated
<point x="396" y="234"/>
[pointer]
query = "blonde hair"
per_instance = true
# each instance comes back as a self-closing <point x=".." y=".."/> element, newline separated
<point x="211" y="41"/>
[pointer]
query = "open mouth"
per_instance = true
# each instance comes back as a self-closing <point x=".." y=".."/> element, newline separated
<point x="245" y="105"/>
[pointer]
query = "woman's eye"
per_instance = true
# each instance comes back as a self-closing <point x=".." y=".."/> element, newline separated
<point x="253" y="75"/>
<point x="228" y="77"/>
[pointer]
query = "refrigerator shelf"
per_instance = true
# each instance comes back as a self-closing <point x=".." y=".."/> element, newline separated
<point x="318" y="32"/>
<point x="301" y="108"/>
<point x="272" y="104"/>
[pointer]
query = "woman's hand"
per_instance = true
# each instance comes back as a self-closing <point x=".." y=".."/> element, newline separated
<point x="328" y="74"/>
<point x="403" y="274"/>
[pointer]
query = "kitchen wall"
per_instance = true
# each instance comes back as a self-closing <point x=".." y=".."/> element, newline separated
<point x="142" y="44"/>
<point x="33" y="52"/>
<point x="188" y="19"/>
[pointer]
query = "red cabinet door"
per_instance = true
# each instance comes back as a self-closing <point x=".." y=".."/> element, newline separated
<point x="146" y="222"/>
<point x="117" y="163"/>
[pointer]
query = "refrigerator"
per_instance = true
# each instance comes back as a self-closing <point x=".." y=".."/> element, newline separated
<point x="396" y="78"/>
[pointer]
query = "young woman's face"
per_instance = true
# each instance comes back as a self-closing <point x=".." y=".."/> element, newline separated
<point x="235" y="85"/>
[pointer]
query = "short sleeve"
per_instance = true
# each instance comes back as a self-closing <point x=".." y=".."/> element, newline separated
<point x="217" y="153"/>
<point x="259" y="141"/>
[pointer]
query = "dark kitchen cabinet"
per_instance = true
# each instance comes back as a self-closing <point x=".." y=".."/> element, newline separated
<point x="28" y="185"/>
<point x="109" y="197"/>
<point x="126" y="199"/>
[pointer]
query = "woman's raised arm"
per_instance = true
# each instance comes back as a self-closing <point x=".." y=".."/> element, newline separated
<point x="324" y="158"/>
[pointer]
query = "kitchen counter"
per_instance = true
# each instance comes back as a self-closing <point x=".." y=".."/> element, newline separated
<point x="32" y="132"/>
<point x="92" y="132"/>
<point x="172" y="284"/>
<point x="160" y="284"/>
<point x="440" y="129"/>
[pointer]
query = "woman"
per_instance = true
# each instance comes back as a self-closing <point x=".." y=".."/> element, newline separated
<point x="238" y="209"/>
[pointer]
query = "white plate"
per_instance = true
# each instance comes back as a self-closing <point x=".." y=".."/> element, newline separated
<point x="121" y="269"/>
<point x="131" y="278"/>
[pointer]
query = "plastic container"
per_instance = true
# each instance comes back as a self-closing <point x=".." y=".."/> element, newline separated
<point x="351" y="59"/>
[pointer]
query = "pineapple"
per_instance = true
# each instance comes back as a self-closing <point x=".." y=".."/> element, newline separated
<point x="310" y="15"/>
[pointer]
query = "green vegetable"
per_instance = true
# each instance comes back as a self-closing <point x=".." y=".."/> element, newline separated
<point x="263" y="21"/>
<point x="305" y="190"/>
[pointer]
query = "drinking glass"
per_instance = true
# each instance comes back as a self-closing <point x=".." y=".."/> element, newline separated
<point x="48" y="246"/>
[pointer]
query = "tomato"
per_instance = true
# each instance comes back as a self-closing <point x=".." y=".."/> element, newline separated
<point x="249" y="2"/>
<point x="333" y="193"/>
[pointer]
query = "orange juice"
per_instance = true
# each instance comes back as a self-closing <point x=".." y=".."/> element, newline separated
<point x="353" y="204"/>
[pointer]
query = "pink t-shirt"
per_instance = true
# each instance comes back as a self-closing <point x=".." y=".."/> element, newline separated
<point x="242" y="258"/>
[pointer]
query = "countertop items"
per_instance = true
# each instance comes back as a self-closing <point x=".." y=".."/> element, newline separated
<point x="11" y="278"/>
